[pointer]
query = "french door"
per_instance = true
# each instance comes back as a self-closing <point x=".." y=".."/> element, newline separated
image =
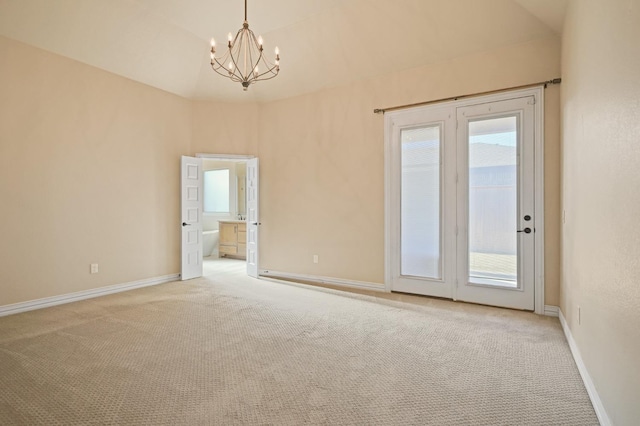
<point x="461" y="201"/>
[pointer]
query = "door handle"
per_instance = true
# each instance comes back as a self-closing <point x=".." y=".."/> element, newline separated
<point x="526" y="230"/>
<point x="186" y="224"/>
<point x="256" y="223"/>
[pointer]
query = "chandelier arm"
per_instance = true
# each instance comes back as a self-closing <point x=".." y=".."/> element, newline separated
<point x="232" y="45"/>
<point x="236" y="59"/>
<point x="230" y="76"/>
<point x="248" y="58"/>
<point x="269" y="64"/>
<point x="221" y="65"/>
<point x="254" y="65"/>
<point x="271" y="69"/>
<point x="236" y="69"/>
<point x="266" y="62"/>
<point x="269" y="77"/>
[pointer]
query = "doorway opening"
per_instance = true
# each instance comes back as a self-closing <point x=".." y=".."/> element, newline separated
<point x="224" y="209"/>
<point x="219" y="213"/>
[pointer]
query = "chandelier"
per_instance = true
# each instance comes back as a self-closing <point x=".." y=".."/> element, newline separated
<point x="244" y="61"/>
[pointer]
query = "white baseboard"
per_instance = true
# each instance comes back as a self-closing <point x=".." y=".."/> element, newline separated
<point x="551" y="311"/>
<point x="323" y="280"/>
<point x="81" y="295"/>
<point x="586" y="378"/>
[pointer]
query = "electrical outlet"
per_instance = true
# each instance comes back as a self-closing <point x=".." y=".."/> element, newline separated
<point x="315" y="258"/>
<point x="94" y="268"/>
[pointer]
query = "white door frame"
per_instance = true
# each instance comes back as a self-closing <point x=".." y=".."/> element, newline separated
<point x="232" y="157"/>
<point x="538" y="94"/>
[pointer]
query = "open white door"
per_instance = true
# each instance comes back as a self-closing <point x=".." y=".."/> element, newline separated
<point x="191" y="196"/>
<point x="253" y="218"/>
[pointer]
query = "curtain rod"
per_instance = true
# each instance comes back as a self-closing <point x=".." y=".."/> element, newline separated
<point x="455" y="98"/>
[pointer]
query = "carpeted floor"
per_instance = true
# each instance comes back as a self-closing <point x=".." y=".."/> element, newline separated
<point x="227" y="349"/>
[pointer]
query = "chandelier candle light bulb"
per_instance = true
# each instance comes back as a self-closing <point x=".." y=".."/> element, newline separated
<point x="244" y="55"/>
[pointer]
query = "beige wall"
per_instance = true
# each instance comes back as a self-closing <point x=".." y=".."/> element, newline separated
<point x="224" y="128"/>
<point x="322" y="161"/>
<point x="601" y="187"/>
<point x="89" y="173"/>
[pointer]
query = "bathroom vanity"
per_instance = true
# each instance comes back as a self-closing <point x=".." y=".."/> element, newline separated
<point x="233" y="239"/>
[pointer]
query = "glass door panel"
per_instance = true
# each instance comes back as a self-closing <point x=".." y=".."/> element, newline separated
<point x="493" y="201"/>
<point x="420" y="203"/>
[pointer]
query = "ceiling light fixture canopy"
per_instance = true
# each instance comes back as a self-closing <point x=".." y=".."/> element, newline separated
<point x="243" y="59"/>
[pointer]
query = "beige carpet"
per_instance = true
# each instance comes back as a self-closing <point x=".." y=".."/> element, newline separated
<point x="228" y="350"/>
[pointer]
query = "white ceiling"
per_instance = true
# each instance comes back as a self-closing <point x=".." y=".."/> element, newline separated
<point x="323" y="43"/>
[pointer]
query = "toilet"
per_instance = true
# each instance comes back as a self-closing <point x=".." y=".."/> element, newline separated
<point x="210" y="243"/>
